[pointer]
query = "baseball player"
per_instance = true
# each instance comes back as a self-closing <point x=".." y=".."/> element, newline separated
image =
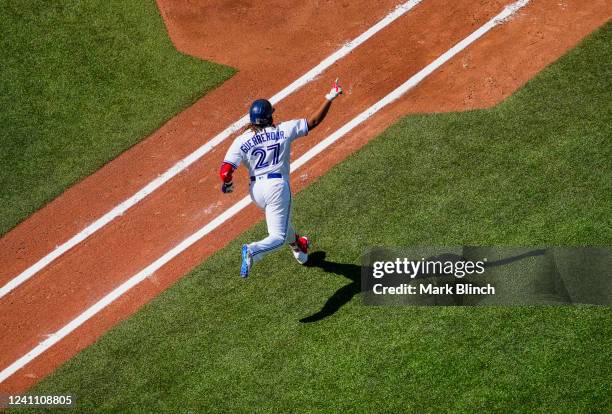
<point x="264" y="148"/>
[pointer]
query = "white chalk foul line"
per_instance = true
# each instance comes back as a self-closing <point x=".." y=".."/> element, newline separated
<point x="233" y="210"/>
<point x="201" y="151"/>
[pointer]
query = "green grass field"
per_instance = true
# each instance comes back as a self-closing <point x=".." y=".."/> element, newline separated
<point x="82" y="82"/>
<point x="534" y="170"/>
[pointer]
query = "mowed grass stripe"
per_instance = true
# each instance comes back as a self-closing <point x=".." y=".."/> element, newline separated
<point x="81" y="83"/>
<point x="531" y="171"/>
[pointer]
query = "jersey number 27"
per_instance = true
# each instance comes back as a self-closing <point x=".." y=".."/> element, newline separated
<point x="267" y="156"/>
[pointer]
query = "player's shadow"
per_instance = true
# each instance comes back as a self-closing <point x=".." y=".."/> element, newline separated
<point x="342" y="295"/>
<point x="353" y="272"/>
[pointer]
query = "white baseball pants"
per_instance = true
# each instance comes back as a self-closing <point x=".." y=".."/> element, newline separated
<point x="273" y="195"/>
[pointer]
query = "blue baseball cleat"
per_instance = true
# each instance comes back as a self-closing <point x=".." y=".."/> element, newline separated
<point x="246" y="262"/>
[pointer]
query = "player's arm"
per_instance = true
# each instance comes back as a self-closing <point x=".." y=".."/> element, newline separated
<point x="225" y="173"/>
<point x="316" y="118"/>
<point x="230" y="164"/>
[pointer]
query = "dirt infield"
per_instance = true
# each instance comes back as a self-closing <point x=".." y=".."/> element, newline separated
<point x="271" y="48"/>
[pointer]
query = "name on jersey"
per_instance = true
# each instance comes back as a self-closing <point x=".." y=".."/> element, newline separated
<point x="261" y="138"/>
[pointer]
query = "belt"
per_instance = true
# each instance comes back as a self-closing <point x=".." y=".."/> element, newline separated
<point x="271" y="175"/>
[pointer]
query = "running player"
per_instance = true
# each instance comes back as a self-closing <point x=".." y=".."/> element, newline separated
<point x="264" y="148"/>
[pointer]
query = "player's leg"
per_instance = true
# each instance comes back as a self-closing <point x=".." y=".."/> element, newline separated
<point x="298" y="244"/>
<point x="257" y="191"/>
<point x="278" y="207"/>
<point x="299" y="248"/>
<point x="291" y="234"/>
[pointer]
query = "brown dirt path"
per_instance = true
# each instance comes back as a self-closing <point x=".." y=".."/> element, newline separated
<point x="484" y="74"/>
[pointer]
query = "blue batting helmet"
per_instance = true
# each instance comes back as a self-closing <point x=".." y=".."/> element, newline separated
<point x="261" y="112"/>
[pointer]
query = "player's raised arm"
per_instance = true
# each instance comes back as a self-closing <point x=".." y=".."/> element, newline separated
<point x="320" y="114"/>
